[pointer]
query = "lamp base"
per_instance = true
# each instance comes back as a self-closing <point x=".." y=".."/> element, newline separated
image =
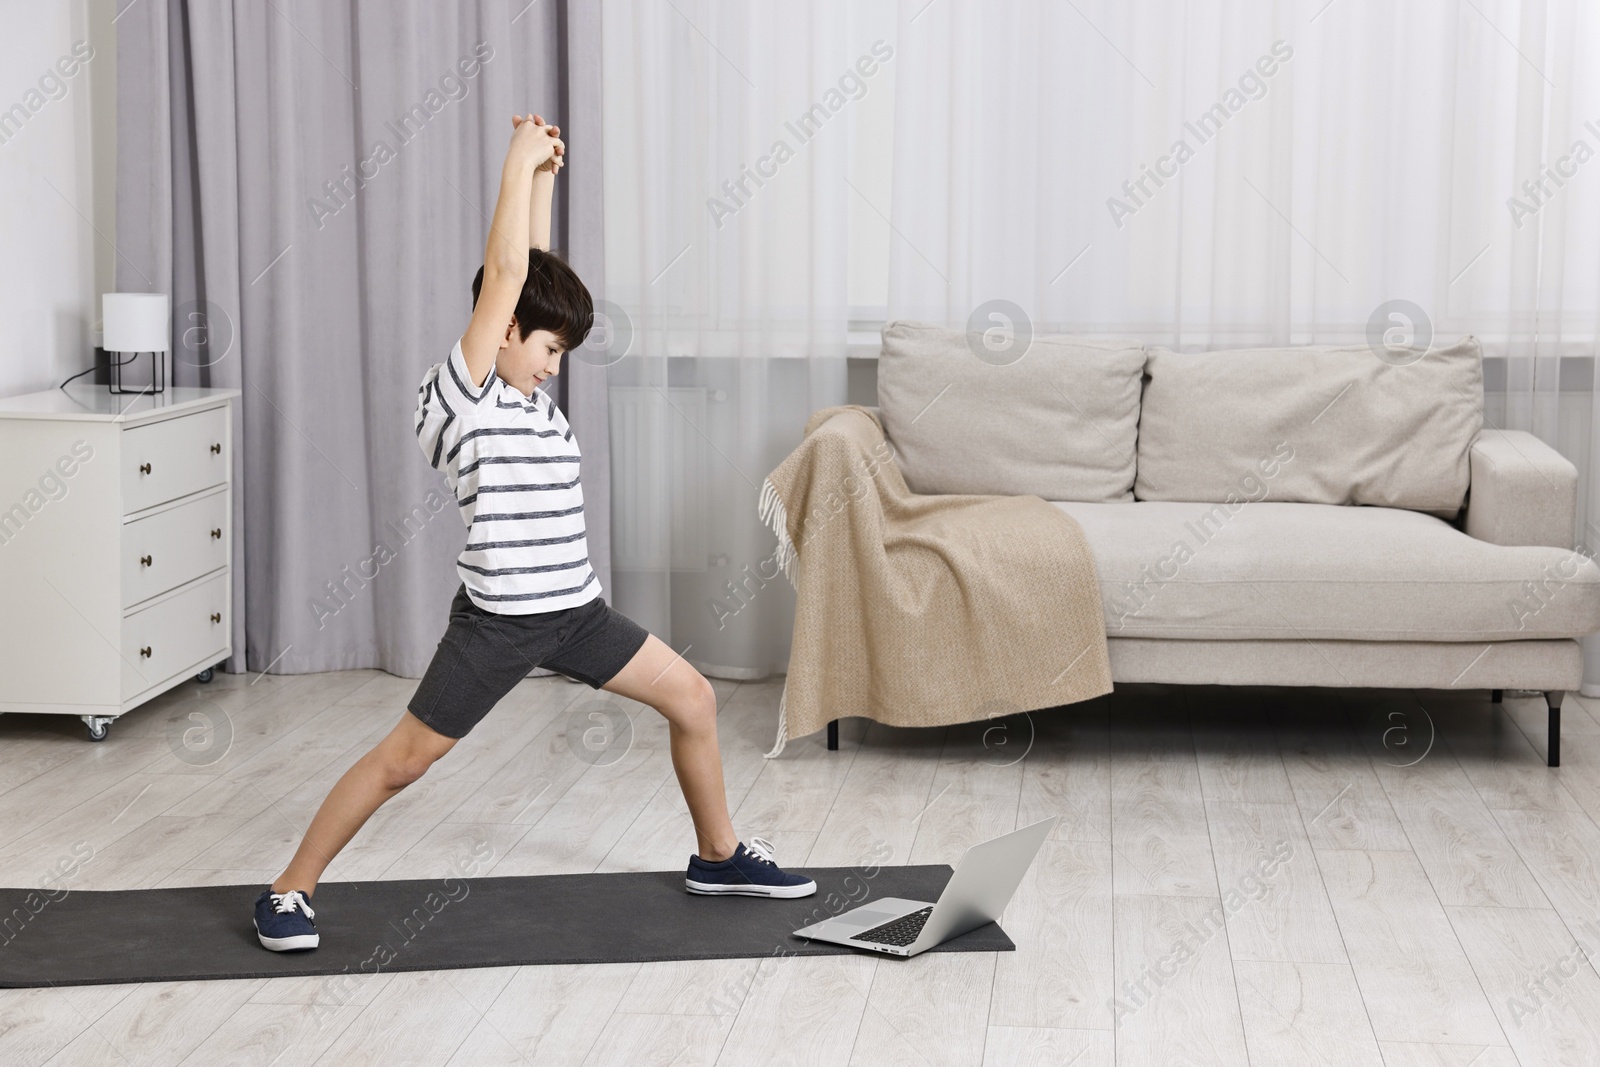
<point x="158" y="374"/>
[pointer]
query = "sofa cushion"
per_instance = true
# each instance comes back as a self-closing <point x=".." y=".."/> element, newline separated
<point x="1362" y="430"/>
<point x="1317" y="571"/>
<point x="1060" y="422"/>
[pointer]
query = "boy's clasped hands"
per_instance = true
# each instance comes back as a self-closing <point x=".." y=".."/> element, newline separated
<point x="542" y="141"/>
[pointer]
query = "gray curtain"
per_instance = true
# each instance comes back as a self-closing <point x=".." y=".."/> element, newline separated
<point x="311" y="180"/>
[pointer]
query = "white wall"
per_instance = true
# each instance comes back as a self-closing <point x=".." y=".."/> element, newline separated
<point x="57" y="187"/>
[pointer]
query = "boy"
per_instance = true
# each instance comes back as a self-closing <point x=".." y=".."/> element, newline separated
<point x="529" y="597"/>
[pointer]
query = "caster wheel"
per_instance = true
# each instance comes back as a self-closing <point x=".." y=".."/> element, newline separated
<point x="205" y="676"/>
<point x="98" y="728"/>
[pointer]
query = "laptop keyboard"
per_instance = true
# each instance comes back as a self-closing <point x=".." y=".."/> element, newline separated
<point x="899" y="932"/>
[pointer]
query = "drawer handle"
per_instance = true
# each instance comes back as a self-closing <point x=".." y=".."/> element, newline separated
<point x="144" y="561"/>
<point x="216" y="450"/>
<point x="144" y="468"/>
<point x="145" y="652"/>
<point x="216" y="616"/>
<point x="216" y="534"/>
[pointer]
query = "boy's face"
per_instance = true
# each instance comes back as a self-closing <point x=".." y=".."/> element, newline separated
<point x="525" y="363"/>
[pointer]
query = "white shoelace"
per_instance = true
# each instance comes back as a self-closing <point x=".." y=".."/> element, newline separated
<point x="763" y="850"/>
<point x="283" y="903"/>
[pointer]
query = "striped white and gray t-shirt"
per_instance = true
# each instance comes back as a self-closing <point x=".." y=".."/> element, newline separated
<point x="512" y="463"/>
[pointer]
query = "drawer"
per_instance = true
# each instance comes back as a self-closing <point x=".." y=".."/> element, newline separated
<point x="174" y="635"/>
<point x="164" y="551"/>
<point x="174" y="458"/>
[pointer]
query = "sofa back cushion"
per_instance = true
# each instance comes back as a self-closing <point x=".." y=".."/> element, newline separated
<point x="1060" y="422"/>
<point x="1317" y="424"/>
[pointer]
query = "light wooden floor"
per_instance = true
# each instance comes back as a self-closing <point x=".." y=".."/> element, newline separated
<point x="1431" y="915"/>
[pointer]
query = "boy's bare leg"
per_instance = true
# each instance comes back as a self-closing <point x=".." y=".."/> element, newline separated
<point x="394" y="763"/>
<point x="656" y="676"/>
<point x="661" y="678"/>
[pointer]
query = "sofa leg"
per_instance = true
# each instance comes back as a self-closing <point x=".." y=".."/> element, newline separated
<point x="833" y="732"/>
<point x="1552" y="697"/>
<point x="1495" y="695"/>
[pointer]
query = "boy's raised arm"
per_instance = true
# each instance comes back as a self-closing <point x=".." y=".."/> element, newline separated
<point x="544" y="185"/>
<point x="505" y="255"/>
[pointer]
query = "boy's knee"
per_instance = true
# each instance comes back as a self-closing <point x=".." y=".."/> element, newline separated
<point x="695" y="700"/>
<point x="402" y="768"/>
<point x="700" y="701"/>
<point x="704" y="693"/>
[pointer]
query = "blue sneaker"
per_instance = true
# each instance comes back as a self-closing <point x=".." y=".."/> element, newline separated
<point x="749" y="872"/>
<point x="283" y="921"/>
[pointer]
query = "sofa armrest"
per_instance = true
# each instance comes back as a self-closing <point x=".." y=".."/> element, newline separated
<point x="1523" y="491"/>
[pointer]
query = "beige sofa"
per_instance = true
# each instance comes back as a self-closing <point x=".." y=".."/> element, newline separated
<point x="1312" y="516"/>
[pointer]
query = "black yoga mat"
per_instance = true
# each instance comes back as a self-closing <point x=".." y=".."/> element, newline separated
<point x="169" y="935"/>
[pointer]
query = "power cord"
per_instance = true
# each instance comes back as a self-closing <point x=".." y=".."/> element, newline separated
<point x="91" y="370"/>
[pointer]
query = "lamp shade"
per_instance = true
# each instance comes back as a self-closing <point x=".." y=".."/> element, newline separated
<point x="136" y="322"/>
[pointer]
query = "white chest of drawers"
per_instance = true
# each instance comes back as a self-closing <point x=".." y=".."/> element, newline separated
<point x="115" y="547"/>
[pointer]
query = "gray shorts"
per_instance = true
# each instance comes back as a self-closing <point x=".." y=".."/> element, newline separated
<point x="483" y="655"/>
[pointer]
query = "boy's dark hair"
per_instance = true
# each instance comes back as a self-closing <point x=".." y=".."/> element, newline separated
<point x="553" y="298"/>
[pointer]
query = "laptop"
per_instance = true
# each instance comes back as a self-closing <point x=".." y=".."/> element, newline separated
<point x="976" y="894"/>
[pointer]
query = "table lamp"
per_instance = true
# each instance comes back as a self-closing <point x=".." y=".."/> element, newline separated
<point x="137" y="323"/>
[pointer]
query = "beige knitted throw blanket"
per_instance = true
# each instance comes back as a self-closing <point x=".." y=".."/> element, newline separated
<point x="924" y="610"/>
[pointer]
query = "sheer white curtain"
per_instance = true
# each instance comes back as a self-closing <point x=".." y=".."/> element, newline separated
<point x="729" y="131"/>
<point x="1211" y="174"/>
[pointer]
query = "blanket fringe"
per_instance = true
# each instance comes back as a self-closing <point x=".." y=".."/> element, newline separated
<point x="776" y="517"/>
<point x="783" y="724"/>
